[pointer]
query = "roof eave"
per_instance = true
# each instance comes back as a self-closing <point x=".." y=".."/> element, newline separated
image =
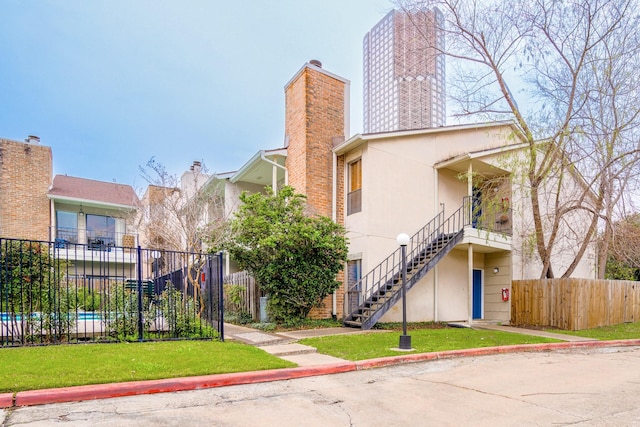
<point x="90" y="202"/>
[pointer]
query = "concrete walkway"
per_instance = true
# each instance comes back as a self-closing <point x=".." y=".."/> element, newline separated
<point x="284" y="344"/>
<point x="533" y="332"/>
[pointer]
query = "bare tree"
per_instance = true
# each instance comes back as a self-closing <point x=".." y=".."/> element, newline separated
<point x="183" y="215"/>
<point x="575" y="64"/>
<point x="624" y="248"/>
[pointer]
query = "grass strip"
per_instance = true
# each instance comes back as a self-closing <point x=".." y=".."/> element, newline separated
<point x="380" y="344"/>
<point x="623" y="331"/>
<point x="32" y="368"/>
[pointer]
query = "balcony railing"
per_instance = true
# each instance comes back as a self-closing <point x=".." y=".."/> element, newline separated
<point x="95" y="240"/>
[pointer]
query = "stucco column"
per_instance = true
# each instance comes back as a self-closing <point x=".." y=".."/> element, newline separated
<point x="274" y="179"/>
<point x="470" y="248"/>
<point x="470" y="180"/>
<point x="470" y="281"/>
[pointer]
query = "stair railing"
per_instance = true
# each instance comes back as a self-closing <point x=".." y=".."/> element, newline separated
<point x="390" y="267"/>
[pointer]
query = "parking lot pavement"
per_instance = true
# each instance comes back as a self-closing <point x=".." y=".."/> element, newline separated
<point x="586" y="386"/>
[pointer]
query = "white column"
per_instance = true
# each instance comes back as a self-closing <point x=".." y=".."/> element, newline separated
<point x="470" y="280"/>
<point x="470" y="247"/>
<point x="274" y="179"/>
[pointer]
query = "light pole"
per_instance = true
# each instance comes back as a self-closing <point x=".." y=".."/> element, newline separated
<point x="405" y="340"/>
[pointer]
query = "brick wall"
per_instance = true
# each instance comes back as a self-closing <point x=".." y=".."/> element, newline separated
<point x="314" y="117"/>
<point x="25" y="176"/>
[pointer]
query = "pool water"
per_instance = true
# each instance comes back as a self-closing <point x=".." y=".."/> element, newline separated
<point x="80" y="316"/>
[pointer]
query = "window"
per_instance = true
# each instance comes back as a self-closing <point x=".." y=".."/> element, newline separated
<point x="354" y="274"/>
<point x="66" y="227"/>
<point x="101" y="231"/>
<point x="354" y="196"/>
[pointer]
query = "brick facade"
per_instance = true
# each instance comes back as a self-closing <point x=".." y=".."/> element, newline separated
<point x="26" y="171"/>
<point x="314" y="118"/>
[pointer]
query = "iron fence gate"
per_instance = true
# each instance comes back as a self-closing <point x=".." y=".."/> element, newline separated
<point x="57" y="292"/>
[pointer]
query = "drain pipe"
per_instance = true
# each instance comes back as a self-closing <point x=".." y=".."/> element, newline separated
<point x="334" y="217"/>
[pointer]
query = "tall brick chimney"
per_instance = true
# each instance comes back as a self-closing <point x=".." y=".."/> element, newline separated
<point x="26" y="173"/>
<point x="316" y="113"/>
<point x="316" y="116"/>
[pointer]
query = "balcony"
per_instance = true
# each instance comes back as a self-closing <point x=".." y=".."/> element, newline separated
<point x="94" y="240"/>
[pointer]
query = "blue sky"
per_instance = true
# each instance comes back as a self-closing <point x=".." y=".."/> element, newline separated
<point x="107" y="84"/>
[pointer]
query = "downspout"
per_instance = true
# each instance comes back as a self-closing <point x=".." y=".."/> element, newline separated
<point x="286" y="172"/>
<point x="53" y="230"/>
<point x="334" y="217"/>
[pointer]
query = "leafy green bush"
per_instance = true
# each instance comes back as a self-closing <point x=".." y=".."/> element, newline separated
<point x="180" y="312"/>
<point x="234" y="303"/>
<point x="32" y="290"/>
<point x="84" y="299"/>
<point x="294" y="257"/>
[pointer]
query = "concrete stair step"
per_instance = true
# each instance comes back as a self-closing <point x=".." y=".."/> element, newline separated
<point x="288" y="349"/>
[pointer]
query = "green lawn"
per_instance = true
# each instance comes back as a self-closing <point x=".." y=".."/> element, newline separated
<point x="30" y="368"/>
<point x="623" y="331"/>
<point x="380" y="344"/>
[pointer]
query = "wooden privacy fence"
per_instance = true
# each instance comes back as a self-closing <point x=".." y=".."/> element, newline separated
<point x="248" y="293"/>
<point x="574" y="304"/>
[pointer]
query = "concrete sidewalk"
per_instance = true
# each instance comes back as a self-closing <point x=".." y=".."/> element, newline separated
<point x="284" y="345"/>
<point x="533" y="332"/>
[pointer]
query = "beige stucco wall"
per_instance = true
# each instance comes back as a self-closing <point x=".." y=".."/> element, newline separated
<point x="494" y="307"/>
<point x="401" y="192"/>
<point x="526" y="261"/>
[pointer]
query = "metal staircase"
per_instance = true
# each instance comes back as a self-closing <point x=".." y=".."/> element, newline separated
<point x="373" y="295"/>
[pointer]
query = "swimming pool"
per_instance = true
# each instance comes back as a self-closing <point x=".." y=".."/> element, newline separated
<point x="81" y="316"/>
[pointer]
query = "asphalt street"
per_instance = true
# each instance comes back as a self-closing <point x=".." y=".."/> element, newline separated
<point x="578" y="387"/>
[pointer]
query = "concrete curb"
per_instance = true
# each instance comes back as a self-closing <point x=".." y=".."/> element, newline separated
<point x="486" y="351"/>
<point x="6" y="400"/>
<point x="103" y="391"/>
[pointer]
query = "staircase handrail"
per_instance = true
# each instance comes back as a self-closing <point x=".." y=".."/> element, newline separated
<point x="391" y="266"/>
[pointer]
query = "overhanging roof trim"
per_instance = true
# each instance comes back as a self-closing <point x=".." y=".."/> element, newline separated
<point x="478" y="154"/>
<point x="255" y="161"/>
<point x="90" y="202"/>
<point x="359" y="139"/>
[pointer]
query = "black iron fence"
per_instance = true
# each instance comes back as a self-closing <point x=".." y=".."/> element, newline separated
<point x="54" y="293"/>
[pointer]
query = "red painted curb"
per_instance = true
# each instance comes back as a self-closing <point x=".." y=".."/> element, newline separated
<point x="485" y="351"/>
<point x="103" y="391"/>
<point x="6" y="400"/>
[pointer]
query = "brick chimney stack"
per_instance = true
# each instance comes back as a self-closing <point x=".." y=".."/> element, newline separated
<point x="316" y="113"/>
<point x="316" y="116"/>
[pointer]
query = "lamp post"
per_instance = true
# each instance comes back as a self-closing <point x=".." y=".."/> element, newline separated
<point x="405" y="340"/>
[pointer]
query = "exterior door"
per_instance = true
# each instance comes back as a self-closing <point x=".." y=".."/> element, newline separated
<point x="477" y="294"/>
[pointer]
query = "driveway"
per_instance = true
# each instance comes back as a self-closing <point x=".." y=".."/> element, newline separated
<point x="584" y="387"/>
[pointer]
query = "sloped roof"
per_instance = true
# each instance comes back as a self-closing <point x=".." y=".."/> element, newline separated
<point x="87" y="190"/>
